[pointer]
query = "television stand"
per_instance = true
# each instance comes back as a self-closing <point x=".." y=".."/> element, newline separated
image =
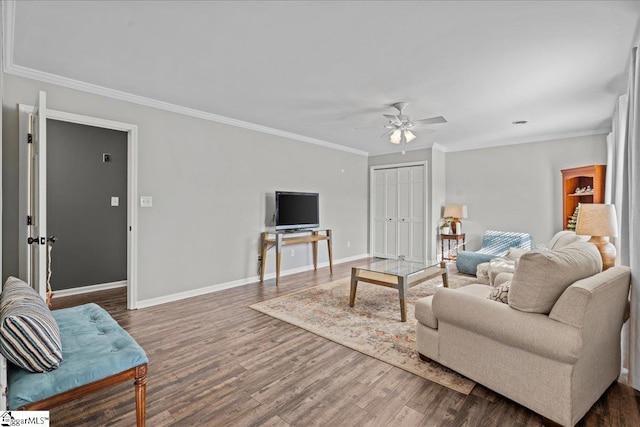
<point x="280" y="239"/>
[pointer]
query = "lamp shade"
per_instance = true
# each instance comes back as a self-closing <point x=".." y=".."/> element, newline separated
<point x="456" y="211"/>
<point x="595" y="219"/>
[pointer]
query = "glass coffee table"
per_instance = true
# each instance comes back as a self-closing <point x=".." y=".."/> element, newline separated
<point x="397" y="274"/>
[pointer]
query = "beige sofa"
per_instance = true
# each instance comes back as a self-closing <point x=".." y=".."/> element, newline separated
<point x="554" y="348"/>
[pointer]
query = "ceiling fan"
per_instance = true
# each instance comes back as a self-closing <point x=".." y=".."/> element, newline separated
<point x="400" y="125"/>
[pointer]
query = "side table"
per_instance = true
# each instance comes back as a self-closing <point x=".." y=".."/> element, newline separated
<point x="449" y="238"/>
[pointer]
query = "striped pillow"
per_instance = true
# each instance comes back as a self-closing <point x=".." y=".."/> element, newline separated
<point x="29" y="335"/>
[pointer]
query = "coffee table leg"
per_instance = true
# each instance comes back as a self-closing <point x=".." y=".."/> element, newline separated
<point x="445" y="275"/>
<point x="354" y="286"/>
<point x="403" y="303"/>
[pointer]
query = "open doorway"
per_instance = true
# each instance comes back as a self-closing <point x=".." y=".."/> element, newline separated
<point x="86" y="207"/>
<point x="84" y="125"/>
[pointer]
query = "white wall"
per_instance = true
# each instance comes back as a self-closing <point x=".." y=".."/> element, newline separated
<point x="517" y="187"/>
<point x="209" y="184"/>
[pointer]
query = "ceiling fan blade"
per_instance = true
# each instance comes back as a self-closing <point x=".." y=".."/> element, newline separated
<point x="387" y="133"/>
<point x="430" y="121"/>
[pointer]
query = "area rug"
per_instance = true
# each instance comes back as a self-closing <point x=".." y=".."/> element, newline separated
<point x="372" y="326"/>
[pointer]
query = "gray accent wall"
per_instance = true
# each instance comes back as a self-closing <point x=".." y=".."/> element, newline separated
<point x="517" y="187"/>
<point x="209" y="183"/>
<point x="92" y="235"/>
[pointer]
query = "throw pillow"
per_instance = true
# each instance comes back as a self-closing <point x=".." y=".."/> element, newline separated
<point x="29" y="335"/>
<point x="500" y="293"/>
<point x="541" y="277"/>
<point x="515" y="253"/>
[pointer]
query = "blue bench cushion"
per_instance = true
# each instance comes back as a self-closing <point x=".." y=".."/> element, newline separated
<point x="94" y="347"/>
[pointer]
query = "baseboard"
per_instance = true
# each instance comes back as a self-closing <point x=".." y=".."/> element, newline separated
<point x="221" y="286"/>
<point x="89" y="288"/>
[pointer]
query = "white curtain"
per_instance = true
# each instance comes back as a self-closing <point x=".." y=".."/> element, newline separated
<point x="624" y="185"/>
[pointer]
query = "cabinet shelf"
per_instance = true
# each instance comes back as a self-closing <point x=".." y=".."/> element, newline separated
<point x="580" y="194"/>
<point x="582" y="177"/>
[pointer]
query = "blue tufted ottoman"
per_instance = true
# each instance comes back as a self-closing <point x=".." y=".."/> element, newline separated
<point x="494" y="244"/>
<point x="96" y="353"/>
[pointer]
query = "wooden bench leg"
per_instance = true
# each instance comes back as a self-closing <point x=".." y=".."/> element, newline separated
<point x="140" y="385"/>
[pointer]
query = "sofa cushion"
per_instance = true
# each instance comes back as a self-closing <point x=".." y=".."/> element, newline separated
<point x="29" y="335"/>
<point x="500" y="293"/>
<point x="514" y="254"/>
<point x="482" y="273"/>
<point x="541" y="277"/>
<point x="481" y="291"/>
<point x="424" y="312"/>
<point x="563" y="238"/>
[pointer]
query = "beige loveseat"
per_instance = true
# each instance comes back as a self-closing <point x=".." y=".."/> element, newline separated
<point x="554" y="348"/>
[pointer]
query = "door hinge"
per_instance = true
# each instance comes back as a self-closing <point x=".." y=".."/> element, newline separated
<point x="29" y="220"/>
<point x="37" y="240"/>
<point x="29" y="138"/>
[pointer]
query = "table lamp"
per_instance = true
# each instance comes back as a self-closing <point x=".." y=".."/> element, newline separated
<point x="599" y="221"/>
<point x="456" y="212"/>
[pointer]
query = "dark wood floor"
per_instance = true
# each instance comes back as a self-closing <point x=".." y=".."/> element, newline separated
<point x="216" y="362"/>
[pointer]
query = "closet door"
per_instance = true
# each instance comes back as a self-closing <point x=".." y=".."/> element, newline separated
<point x="398" y="218"/>
<point x="411" y="210"/>
<point x="385" y="213"/>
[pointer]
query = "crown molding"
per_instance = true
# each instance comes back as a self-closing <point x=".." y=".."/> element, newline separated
<point x="8" y="12"/>
<point x="542" y="138"/>
<point x="41" y="76"/>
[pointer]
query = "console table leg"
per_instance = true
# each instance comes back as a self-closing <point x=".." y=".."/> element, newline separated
<point x="330" y="250"/>
<point x="278" y="257"/>
<point x="315" y="251"/>
<point x="263" y="259"/>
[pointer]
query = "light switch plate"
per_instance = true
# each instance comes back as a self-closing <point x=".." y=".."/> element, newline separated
<point x="146" y="201"/>
<point x="115" y="201"/>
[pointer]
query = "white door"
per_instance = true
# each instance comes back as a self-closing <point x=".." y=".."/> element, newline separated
<point x="385" y="215"/>
<point x="411" y="210"/>
<point x="398" y="213"/>
<point x="37" y="198"/>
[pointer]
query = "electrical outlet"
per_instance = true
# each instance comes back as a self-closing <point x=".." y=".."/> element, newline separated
<point x="293" y="253"/>
<point x="348" y="243"/>
<point x="106" y="158"/>
<point x="259" y="257"/>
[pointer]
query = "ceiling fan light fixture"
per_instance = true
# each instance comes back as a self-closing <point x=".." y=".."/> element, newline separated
<point x="396" y="137"/>
<point x="409" y="136"/>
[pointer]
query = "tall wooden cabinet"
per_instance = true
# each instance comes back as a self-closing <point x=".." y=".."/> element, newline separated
<point x="574" y="181"/>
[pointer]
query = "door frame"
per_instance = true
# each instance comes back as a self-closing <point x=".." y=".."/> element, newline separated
<point x="372" y="200"/>
<point x="132" y="188"/>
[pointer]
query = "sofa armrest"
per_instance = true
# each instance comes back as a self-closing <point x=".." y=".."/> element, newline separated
<point x="532" y="332"/>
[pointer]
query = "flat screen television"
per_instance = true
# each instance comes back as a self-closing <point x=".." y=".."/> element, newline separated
<point x="297" y="211"/>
